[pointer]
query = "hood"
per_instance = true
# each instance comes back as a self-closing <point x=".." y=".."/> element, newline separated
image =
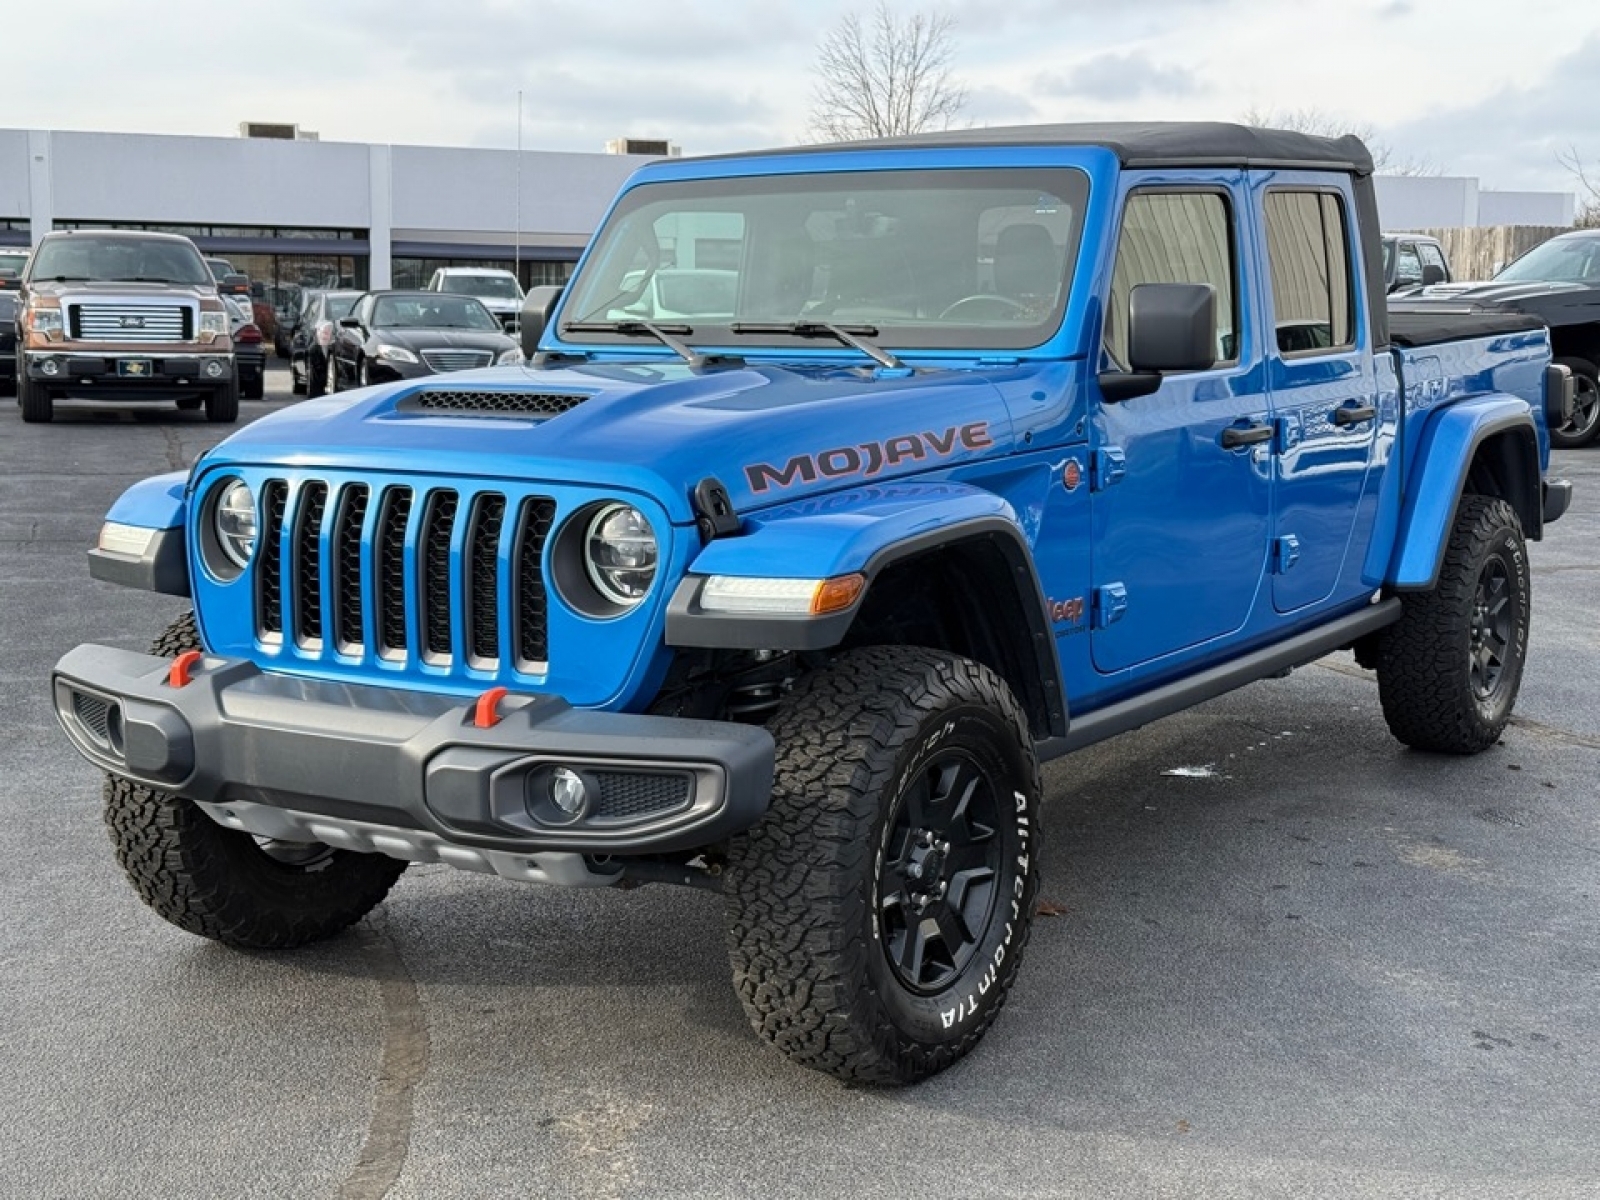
<point x="444" y="339"/>
<point x="770" y="434"/>
<point x="1554" y="303"/>
<point x="120" y="288"/>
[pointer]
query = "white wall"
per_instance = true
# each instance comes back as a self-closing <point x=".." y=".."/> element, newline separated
<point x="13" y="173"/>
<point x="476" y="190"/>
<point x="218" y="181"/>
<point x="1426" y="202"/>
<point x="1526" y="208"/>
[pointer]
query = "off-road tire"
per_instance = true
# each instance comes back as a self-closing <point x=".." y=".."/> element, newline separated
<point x="1449" y="669"/>
<point x="222" y="405"/>
<point x="220" y="883"/>
<point x="1585" y="424"/>
<point x="810" y="934"/>
<point x="38" y="406"/>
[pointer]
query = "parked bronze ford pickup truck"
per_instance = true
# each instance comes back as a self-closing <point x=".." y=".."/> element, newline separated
<point x="123" y="318"/>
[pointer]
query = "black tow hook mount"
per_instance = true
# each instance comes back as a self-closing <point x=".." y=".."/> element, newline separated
<point x="714" y="515"/>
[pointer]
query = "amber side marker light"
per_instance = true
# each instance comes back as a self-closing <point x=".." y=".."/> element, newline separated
<point x="789" y="597"/>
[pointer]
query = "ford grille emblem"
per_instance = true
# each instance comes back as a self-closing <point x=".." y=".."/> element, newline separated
<point x="132" y="322"/>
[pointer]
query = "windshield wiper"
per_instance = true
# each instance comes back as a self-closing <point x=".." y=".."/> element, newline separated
<point x="151" y="279"/>
<point x="73" y="279"/>
<point x="662" y="333"/>
<point x="853" y="336"/>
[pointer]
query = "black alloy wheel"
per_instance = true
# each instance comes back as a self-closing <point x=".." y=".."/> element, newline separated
<point x="1494" y="614"/>
<point x="937" y="872"/>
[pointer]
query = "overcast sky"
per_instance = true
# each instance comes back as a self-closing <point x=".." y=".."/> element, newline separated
<point x="1474" y="87"/>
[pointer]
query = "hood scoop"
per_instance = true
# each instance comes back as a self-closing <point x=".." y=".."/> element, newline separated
<point x="492" y="403"/>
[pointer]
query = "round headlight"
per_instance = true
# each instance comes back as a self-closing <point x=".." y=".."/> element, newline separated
<point x="621" y="554"/>
<point x="235" y="518"/>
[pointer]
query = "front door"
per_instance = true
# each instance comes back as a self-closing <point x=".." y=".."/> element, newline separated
<point x="1182" y="477"/>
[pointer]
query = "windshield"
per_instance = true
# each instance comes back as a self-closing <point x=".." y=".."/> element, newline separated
<point x="974" y="259"/>
<point x="1560" y="260"/>
<point x="493" y="287"/>
<point x="337" y="307"/>
<point x="220" y="267"/>
<point x="432" y="310"/>
<point x="119" y="259"/>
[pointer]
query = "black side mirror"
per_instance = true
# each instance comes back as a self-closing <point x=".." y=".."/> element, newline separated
<point x="1171" y="327"/>
<point x="537" y="306"/>
<point x="1432" y="273"/>
<point x="350" y="322"/>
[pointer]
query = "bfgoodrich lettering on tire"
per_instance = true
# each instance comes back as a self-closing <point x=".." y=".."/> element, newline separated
<point x="877" y="915"/>
<point x="226" y="885"/>
<point x="1449" y="669"/>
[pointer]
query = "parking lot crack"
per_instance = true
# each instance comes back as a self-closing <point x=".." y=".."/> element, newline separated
<point x="404" y="1062"/>
<point x="175" y="459"/>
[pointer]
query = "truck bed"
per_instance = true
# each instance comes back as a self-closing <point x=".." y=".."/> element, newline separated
<point x="1434" y="322"/>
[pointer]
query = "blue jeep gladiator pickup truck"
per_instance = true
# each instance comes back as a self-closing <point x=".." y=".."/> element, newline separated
<point x="997" y="444"/>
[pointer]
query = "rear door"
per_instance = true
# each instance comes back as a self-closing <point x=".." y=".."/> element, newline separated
<point x="1322" y="384"/>
<point x="1181" y="520"/>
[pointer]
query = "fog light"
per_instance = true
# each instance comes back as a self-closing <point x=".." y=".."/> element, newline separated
<point x="50" y="366"/>
<point x="568" y="792"/>
<point x="214" y="369"/>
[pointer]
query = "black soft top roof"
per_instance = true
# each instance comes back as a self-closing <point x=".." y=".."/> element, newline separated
<point x="1149" y="144"/>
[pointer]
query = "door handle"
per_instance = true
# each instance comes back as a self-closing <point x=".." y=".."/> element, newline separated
<point x="1354" y="414"/>
<point x="1235" y="436"/>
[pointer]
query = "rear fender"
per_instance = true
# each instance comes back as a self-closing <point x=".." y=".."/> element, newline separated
<point x="1490" y="445"/>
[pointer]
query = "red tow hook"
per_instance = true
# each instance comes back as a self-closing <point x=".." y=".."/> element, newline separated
<point x="178" y="674"/>
<point x="487" y="713"/>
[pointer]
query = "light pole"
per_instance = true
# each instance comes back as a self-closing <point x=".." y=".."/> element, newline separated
<point x="516" y="243"/>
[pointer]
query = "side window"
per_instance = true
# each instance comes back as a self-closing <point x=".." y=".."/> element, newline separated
<point x="1174" y="237"/>
<point x="1409" y="269"/>
<point x="1308" y="254"/>
<point x="1432" y="257"/>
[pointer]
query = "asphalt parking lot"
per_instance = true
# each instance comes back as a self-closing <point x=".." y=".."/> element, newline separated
<point x="1291" y="958"/>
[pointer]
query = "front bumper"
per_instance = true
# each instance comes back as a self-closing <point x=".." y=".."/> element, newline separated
<point x="153" y="372"/>
<point x="409" y="773"/>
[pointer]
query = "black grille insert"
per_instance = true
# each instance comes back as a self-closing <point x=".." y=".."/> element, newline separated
<point x="494" y="404"/>
<point x="483" y="578"/>
<point x="348" y="608"/>
<point x="438" y="522"/>
<point x="308" y="564"/>
<point x="94" y="716"/>
<point x="533" y="644"/>
<point x="269" y="557"/>
<point x="625" y="794"/>
<point x="390" y="554"/>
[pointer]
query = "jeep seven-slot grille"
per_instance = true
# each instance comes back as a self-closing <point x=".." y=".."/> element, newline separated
<point x="416" y="571"/>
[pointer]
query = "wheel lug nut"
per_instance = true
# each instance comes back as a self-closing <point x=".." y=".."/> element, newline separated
<point x="914" y="870"/>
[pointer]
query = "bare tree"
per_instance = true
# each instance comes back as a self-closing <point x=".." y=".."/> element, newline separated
<point x="1588" y="189"/>
<point x="884" y="76"/>
<point x="1325" y="124"/>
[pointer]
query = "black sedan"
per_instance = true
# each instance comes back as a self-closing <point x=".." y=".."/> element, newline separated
<point x="313" y="333"/>
<point x="404" y="335"/>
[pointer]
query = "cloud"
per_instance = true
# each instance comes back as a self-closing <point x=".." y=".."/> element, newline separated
<point x="1510" y="139"/>
<point x="1119" y="76"/>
